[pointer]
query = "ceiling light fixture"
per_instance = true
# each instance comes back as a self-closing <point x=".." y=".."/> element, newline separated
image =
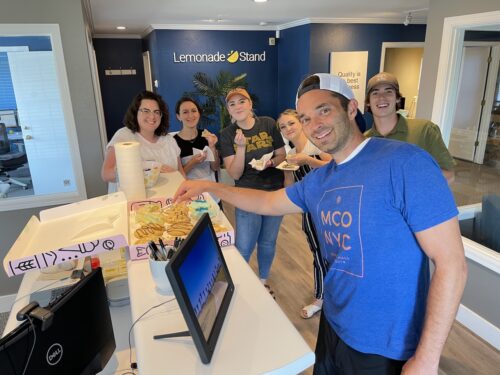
<point x="408" y="19"/>
<point x="409" y="15"/>
<point x="260" y="1"/>
<point x="121" y="27"/>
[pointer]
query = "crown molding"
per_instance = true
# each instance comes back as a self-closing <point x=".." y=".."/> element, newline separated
<point x="211" y="27"/>
<point x="116" y="36"/>
<point x="274" y="27"/>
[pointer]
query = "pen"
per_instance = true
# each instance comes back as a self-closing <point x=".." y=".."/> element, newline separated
<point x="170" y="254"/>
<point x="163" y="249"/>
<point x="154" y="250"/>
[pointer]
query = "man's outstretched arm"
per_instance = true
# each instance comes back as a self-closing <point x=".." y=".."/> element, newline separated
<point x="272" y="203"/>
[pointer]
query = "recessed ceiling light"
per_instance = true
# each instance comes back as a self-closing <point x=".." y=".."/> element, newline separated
<point x="121" y="27"/>
<point x="260" y="1"/>
<point x="262" y="23"/>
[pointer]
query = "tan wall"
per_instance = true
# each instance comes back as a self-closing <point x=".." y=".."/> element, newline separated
<point x="405" y="63"/>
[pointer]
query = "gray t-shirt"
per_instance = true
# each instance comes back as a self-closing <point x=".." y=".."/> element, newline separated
<point x="263" y="138"/>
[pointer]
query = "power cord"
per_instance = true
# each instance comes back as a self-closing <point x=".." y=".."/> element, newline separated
<point x="133" y="365"/>
<point x="33" y="346"/>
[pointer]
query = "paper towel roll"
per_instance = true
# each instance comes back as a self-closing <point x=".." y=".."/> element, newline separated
<point x="129" y="166"/>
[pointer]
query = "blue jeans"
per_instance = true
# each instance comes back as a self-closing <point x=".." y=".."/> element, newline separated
<point x="252" y="229"/>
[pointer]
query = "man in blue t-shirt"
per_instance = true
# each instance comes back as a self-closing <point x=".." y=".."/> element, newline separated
<point x="382" y="209"/>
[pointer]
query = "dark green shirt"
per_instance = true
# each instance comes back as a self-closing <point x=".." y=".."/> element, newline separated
<point x="422" y="133"/>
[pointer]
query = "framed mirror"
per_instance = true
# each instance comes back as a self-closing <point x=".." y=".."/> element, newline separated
<point x="39" y="154"/>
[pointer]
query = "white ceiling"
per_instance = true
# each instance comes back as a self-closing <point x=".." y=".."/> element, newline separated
<point x="140" y="16"/>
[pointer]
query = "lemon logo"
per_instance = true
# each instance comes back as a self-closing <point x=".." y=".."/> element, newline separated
<point x="233" y="57"/>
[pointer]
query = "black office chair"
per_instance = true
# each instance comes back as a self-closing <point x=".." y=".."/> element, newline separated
<point x="9" y="161"/>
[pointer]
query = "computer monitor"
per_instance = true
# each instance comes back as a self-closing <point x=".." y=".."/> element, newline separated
<point x="202" y="285"/>
<point x="80" y="339"/>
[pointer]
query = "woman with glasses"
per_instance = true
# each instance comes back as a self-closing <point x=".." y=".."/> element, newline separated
<point x="146" y="122"/>
<point x="251" y="137"/>
<point x="306" y="156"/>
<point x="196" y="166"/>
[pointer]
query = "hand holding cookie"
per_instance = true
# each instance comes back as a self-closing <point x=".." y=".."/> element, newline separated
<point x="211" y="138"/>
<point x="239" y="138"/>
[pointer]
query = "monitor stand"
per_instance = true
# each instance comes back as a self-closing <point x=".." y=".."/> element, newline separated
<point x="169" y="335"/>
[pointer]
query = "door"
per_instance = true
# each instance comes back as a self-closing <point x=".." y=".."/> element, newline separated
<point x="471" y="89"/>
<point x="147" y="71"/>
<point x="42" y="121"/>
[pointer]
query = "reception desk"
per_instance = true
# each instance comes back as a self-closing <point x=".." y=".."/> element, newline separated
<point x="256" y="337"/>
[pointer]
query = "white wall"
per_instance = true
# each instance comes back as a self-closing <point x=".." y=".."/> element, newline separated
<point x="69" y="16"/>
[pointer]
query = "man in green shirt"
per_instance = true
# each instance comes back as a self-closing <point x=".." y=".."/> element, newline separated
<point x="383" y="100"/>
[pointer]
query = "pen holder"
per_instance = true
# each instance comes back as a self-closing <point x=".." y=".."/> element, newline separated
<point x="159" y="275"/>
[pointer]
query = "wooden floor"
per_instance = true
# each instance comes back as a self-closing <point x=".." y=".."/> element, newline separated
<point x="472" y="181"/>
<point x="292" y="281"/>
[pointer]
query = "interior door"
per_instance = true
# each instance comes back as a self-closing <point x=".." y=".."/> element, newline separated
<point x="42" y="121"/>
<point x="467" y="117"/>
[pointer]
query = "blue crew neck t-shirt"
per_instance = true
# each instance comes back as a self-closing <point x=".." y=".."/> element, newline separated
<point x="366" y="212"/>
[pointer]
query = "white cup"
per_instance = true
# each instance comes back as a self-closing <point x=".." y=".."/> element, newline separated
<point x="159" y="275"/>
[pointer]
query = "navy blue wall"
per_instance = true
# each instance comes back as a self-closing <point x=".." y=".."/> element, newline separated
<point x="34" y="43"/>
<point x="176" y="78"/>
<point x="293" y="63"/>
<point x="326" y="38"/>
<point x="482" y="36"/>
<point x="118" y="90"/>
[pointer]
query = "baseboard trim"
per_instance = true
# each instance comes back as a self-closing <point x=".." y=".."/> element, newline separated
<point x="479" y="326"/>
<point x="6" y="302"/>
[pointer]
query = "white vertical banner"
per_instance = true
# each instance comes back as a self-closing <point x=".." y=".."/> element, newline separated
<point x="351" y="66"/>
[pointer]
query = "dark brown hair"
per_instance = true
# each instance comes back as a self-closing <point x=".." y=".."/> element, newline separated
<point x="186" y="99"/>
<point x="130" y="119"/>
<point x="398" y="101"/>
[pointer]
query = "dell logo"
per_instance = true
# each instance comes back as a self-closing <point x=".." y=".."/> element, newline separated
<point x="54" y="354"/>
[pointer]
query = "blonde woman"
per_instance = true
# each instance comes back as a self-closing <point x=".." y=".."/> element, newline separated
<point x="306" y="156"/>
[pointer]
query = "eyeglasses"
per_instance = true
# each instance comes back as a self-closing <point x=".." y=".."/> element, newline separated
<point x="147" y="112"/>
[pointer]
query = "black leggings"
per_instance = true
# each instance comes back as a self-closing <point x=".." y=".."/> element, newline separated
<point x="335" y="357"/>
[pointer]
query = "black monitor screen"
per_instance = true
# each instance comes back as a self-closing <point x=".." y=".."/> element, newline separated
<point x="80" y="339"/>
<point x="202" y="284"/>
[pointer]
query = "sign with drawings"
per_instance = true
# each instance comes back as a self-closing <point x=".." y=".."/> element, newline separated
<point x="50" y="258"/>
<point x="152" y="219"/>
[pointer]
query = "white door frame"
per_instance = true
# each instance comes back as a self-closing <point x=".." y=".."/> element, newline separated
<point x="449" y="66"/>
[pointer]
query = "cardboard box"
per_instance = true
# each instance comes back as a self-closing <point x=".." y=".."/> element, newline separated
<point x="157" y="218"/>
<point x="70" y="232"/>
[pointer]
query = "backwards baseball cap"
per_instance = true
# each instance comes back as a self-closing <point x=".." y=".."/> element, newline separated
<point x="382" y="78"/>
<point x="330" y="82"/>
<point x="325" y="81"/>
<point x="238" y="91"/>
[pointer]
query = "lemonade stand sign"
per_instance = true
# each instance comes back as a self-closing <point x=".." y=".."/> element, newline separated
<point x="230" y="57"/>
